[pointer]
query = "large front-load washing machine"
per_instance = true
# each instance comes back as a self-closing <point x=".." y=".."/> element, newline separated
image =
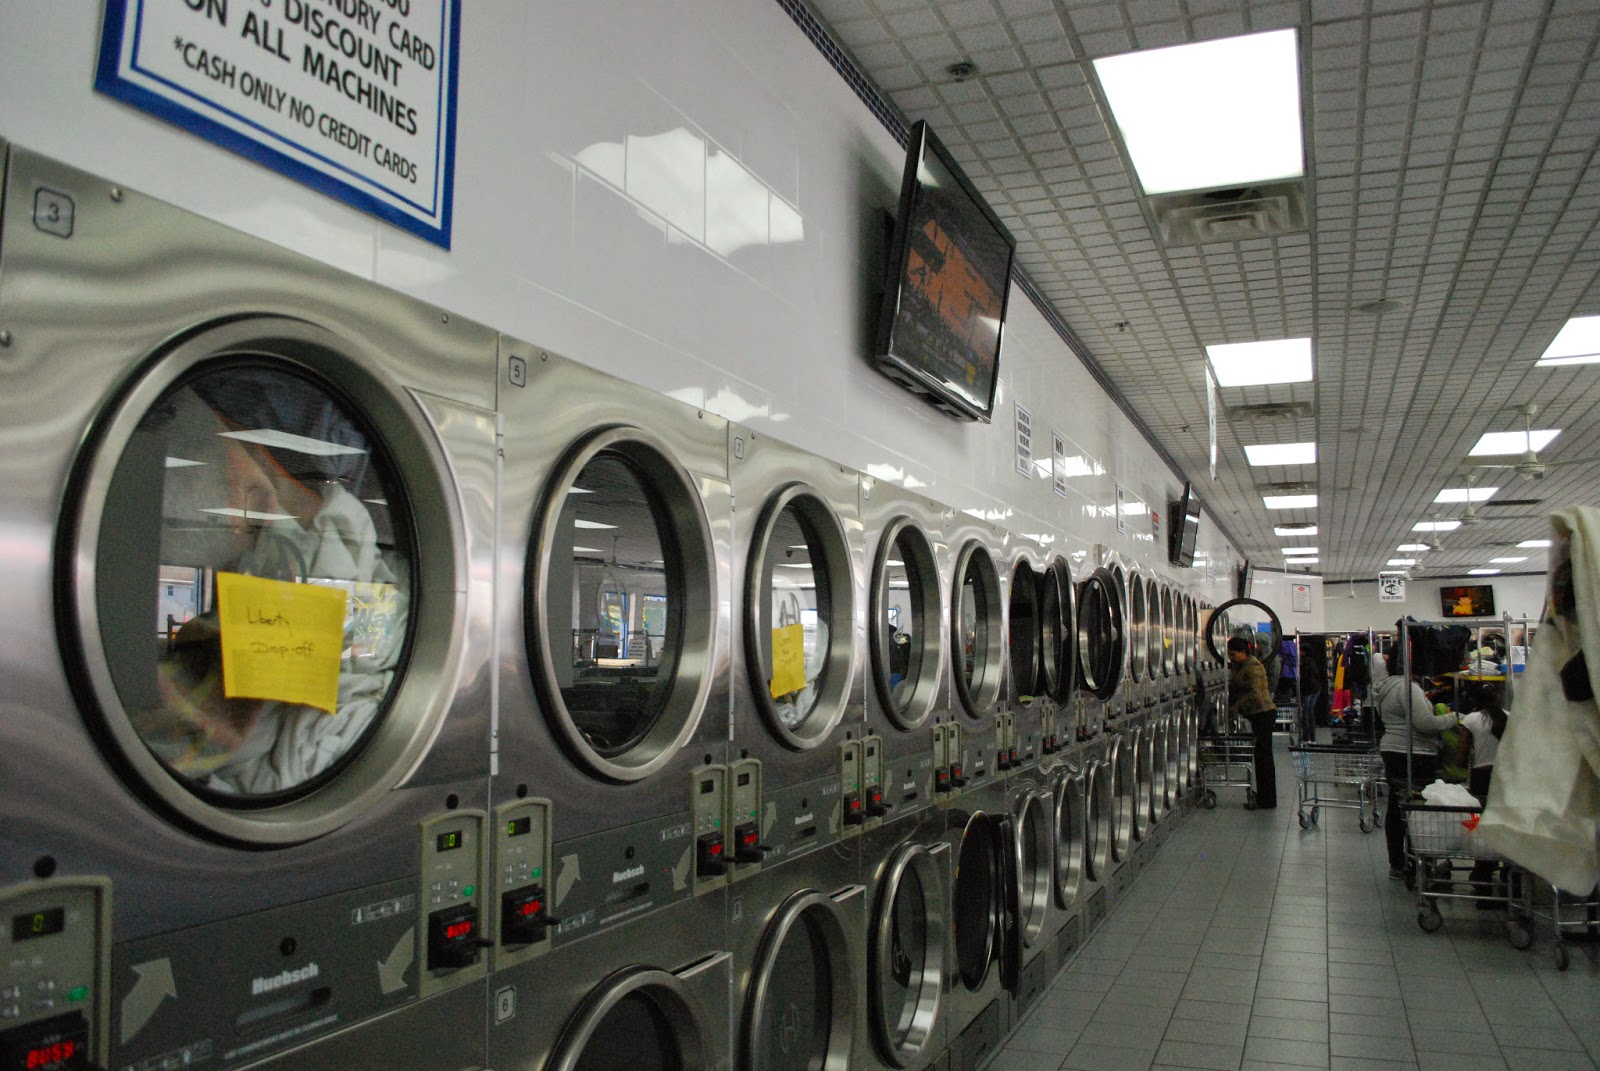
<point x="968" y="756"/>
<point x="1031" y="795"/>
<point x="1023" y="717"/>
<point x="248" y="502"/>
<point x="612" y="637"/>
<point x="797" y="933"/>
<point x="1102" y="650"/>
<point x="652" y="994"/>
<point x="798" y="710"/>
<point x="905" y="1017"/>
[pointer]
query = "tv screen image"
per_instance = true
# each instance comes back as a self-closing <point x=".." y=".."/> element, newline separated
<point x="949" y="277"/>
<point x="1469" y="600"/>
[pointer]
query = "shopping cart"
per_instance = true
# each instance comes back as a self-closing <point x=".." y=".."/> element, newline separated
<point x="1227" y="762"/>
<point x="1581" y="917"/>
<point x="1440" y="842"/>
<point x="1350" y="775"/>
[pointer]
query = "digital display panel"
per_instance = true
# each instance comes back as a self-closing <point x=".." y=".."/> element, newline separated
<point x="520" y="827"/>
<point x="1471" y="600"/>
<point x="38" y="924"/>
<point x="1184" y="535"/>
<point x="449" y="842"/>
<point x="949" y="277"/>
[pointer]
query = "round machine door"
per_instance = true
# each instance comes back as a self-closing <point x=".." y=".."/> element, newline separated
<point x="1152" y="594"/>
<point x="799" y="618"/>
<point x="640" y="1018"/>
<point x="976" y="646"/>
<point x="1102" y="805"/>
<point x="1186" y="638"/>
<point x="1191" y="738"/>
<point x="1033" y="862"/>
<point x="1175" y="751"/>
<point x="975" y="900"/>
<point x="1169" y="635"/>
<point x="1138" y="639"/>
<point x="1058" y="632"/>
<point x="906" y="641"/>
<point x="1158" y="768"/>
<point x="1122" y="755"/>
<point x="1144" y="784"/>
<point x="801" y="1007"/>
<point x="621" y="635"/>
<point x="1071" y="832"/>
<point x="906" y="970"/>
<point x="284" y="516"/>
<point x="1100" y="636"/>
<point x="1023" y="637"/>
<point x="1119" y="577"/>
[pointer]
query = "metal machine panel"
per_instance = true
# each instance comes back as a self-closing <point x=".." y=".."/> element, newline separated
<point x="165" y="348"/>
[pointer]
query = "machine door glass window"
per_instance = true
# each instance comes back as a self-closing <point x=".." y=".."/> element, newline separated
<point x="801" y="1016"/>
<point x="977" y="645"/>
<point x="254" y="581"/>
<point x="636" y="1034"/>
<point x="905" y="626"/>
<point x="1025" y="629"/>
<point x="976" y="901"/>
<point x="796" y="616"/>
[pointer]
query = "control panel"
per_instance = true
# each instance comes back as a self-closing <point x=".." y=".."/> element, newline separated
<point x="1050" y="740"/>
<point x="55" y="972"/>
<point x="1006" y="754"/>
<point x="949" y="762"/>
<point x="873" y="788"/>
<point x="708" y="800"/>
<point x="852" y="801"/>
<point x="520" y="868"/>
<point x="744" y="817"/>
<point x="451" y="938"/>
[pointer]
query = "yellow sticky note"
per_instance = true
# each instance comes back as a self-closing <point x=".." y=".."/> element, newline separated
<point x="280" y="641"/>
<point x="788" y="659"/>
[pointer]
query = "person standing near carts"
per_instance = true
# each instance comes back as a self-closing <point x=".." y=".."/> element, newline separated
<point x="1400" y="700"/>
<point x="1250" y="696"/>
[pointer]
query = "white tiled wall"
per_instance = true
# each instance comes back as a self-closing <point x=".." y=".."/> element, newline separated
<point x="592" y="141"/>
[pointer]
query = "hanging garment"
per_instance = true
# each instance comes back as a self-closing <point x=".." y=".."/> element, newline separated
<point x="1544" y="799"/>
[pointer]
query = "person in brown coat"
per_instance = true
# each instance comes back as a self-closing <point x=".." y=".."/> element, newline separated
<point x="1250" y="697"/>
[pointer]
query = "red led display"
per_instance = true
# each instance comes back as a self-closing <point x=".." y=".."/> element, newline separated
<point x="48" y="1056"/>
<point x="457" y="930"/>
<point x="530" y="909"/>
<point x="751" y="838"/>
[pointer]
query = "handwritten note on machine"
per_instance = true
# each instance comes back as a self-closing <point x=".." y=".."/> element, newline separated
<point x="280" y="641"/>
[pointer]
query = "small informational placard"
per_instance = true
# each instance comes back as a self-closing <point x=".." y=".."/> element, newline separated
<point x="1300" y="598"/>
<point x="1058" y="464"/>
<point x="1122" y="508"/>
<point x="1024" y="442"/>
<point x="788" y="660"/>
<point x="355" y="98"/>
<point x="280" y="640"/>
<point x="1391" y="589"/>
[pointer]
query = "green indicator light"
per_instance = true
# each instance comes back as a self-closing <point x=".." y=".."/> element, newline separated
<point x="716" y="823"/>
<point x="470" y="890"/>
<point x="538" y="870"/>
<point x="78" y="993"/>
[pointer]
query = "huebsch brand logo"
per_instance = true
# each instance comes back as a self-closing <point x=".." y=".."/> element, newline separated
<point x="627" y="875"/>
<point x="277" y="981"/>
<point x="803" y="819"/>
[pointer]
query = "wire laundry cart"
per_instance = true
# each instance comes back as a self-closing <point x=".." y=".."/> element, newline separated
<point x="1442" y="842"/>
<point x="1227" y="762"/>
<point x="1565" y="912"/>
<point x="1332" y="776"/>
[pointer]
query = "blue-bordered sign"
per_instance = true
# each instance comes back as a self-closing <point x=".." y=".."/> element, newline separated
<point x="356" y="98"/>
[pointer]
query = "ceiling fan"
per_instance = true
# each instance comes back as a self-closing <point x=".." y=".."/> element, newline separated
<point x="1529" y="465"/>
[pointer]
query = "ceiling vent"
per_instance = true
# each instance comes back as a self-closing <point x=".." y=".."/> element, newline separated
<point x="1272" y="411"/>
<point x="1293" y="487"/>
<point x="1510" y="502"/>
<point x="1234" y="214"/>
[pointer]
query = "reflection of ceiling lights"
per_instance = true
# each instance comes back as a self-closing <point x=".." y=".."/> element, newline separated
<point x="1253" y="364"/>
<point x="579" y="491"/>
<point x="893" y="564"/>
<point x="1413" y="547"/>
<point x="587" y="550"/>
<point x="249" y="515"/>
<point x="1461" y="494"/>
<point x="376" y="501"/>
<point x="581" y="523"/>
<point x="1483" y="572"/>
<point x="1295" y="530"/>
<point x="794" y="565"/>
<point x="1504" y="443"/>
<point x="181" y="462"/>
<point x="1436" y="526"/>
<point x="284" y="440"/>
<point x="1217" y="113"/>
<point x="1081" y="465"/>
<point x="1506" y="561"/>
<point x="1578" y="342"/>
<point x="1290" y="501"/>
<point x="1281" y="454"/>
<point x="1527" y="544"/>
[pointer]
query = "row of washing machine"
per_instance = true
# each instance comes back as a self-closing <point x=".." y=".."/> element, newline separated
<point x="386" y="691"/>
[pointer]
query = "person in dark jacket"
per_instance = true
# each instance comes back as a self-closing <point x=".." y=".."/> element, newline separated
<point x="1250" y="697"/>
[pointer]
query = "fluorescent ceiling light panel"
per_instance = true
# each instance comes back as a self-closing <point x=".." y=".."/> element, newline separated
<point x="1413" y="547"/>
<point x="1507" y="443"/>
<point x="1460" y="494"/>
<point x="1282" y="454"/>
<point x="1217" y="113"/>
<point x="1436" y="526"/>
<point x="1286" y="530"/>
<point x="1576" y="343"/>
<point x="1252" y="364"/>
<point x="1287" y="551"/>
<point x="285" y="440"/>
<point x="1530" y="543"/>
<point x="1506" y="561"/>
<point x="581" y="523"/>
<point x="1483" y="572"/>
<point x="1290" y="501"/>
<point x="1302" y="561"/>
<point x="1401" y="561"/>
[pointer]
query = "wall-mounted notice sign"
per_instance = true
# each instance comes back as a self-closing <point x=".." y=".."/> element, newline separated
<point x="1058" y="463"/>
<point x="355" y="98"/>
<point x="1300" y="598"/>
<point x="1391" y="589"/>
<point x="1024" y="442"/>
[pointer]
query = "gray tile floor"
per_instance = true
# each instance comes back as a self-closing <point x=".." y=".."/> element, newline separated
<point x="1251" y="945"/>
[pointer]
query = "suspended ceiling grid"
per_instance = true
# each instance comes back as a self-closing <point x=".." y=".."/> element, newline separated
<point x="1451" y="172"/>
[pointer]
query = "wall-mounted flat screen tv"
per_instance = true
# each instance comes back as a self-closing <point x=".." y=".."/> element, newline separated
<point x="1184" y="527"/>
<point x="1470" y="600"/>
<point x="949" y="275"/>
<point x="1245" y="579"/>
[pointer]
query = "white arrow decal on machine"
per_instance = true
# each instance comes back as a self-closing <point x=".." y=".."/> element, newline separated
<point x="392" y="971"/>
<point x="567" y="878"/>
<point x="155" y="984"/>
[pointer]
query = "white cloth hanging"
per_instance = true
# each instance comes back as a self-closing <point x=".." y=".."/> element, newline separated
<point x="1544" y="801"/>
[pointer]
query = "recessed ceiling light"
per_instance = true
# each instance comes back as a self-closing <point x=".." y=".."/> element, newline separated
<point x="1302" y="561"/>
<point x="581" y="523"/>
<point x="1401" y="561"/>
<point x="1436" y="526"/>
<point x="1502" y="443"/>
<point x="1282" y="454"/>
<point x="1483" y="572"/>
<point x="1576" y="343"/>
<point x="1529" y="543"/>
<point x="1217" y="113"/>
<point x="1295" y="530"/>
<point x="1413" y="547"/>
<point x="1506" y="561"/>
<point x="1253" y="364"/>
<point x="1461" y="494"/>
<point x="1290" y="501"/>
<point x="1287" y="551"/>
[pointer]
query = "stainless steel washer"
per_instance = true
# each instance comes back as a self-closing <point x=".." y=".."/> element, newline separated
<point x="905" y="1020"/>
<point x="250" y="505"/>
